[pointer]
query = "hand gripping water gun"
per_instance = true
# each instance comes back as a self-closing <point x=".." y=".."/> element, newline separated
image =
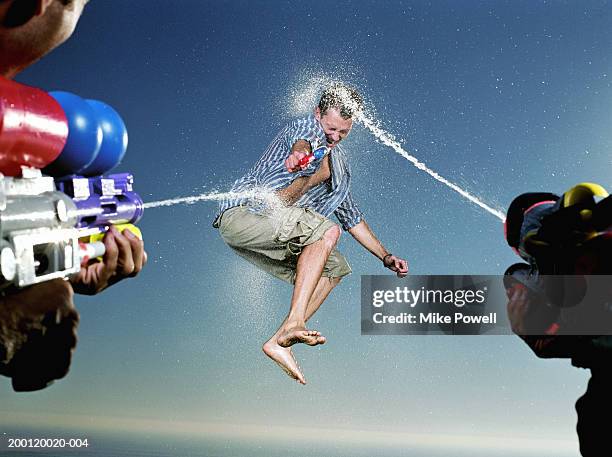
<point x="55" y="202"/>
<point x="316" y="155"/>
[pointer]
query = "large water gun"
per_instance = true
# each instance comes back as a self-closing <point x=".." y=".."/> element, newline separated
<point x="574" y="231"/>
<point x="55" y="201"/>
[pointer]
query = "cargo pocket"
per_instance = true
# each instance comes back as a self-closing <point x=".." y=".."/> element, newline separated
<point x="297" y="230"/>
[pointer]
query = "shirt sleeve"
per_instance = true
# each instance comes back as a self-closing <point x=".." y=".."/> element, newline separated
<point x="348" y="214"/>
<point x="303" y="129"/>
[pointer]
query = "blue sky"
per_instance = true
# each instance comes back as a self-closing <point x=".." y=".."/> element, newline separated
<point x="500" y="97"/>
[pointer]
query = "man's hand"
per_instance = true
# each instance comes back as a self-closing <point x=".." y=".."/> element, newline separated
<point x="37" y="334"/>
<point x="399" y="266"/>
<point x="300" y="149"/>
<point x="529" y="314"/>
<point x="518" y="307"/>
<point x="124" y="258"/>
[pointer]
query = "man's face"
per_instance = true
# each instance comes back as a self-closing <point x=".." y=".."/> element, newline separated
<point x="336" y="128"/>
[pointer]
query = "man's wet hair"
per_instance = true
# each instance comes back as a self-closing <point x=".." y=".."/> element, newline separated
<point x="343" y="98"/>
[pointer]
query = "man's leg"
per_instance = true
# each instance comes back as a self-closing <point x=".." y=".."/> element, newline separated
<point x="252" y="243"/>
<point x="310" y="290"/>
<point x="308" y="273"/>
<point x="283" y="355"/>
<point x="324" y="287"/>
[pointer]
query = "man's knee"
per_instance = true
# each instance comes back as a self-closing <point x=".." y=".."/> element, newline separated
<point x="331" y="236"/>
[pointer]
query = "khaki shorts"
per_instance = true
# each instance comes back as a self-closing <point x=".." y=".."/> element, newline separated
<point x="274" y="242"/>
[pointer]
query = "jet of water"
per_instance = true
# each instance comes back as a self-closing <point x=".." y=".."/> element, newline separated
<point x="386" y="139"/>
<point x="257" y="194"/>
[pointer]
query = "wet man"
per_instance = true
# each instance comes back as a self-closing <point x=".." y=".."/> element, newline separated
<point x="296" y="243"/>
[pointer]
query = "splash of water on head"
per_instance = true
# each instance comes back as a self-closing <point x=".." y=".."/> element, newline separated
<point x="303" y="98"/>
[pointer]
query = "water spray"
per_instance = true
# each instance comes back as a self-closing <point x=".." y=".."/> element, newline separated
<point x="386" y="139"/>
<point x="259" y="194"/>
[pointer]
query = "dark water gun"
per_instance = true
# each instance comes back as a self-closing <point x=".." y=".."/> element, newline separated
<point x="56" y="203"/>
<point x="574" y="234"/>
<point x="317" y="154"/>
<point x="564" y="239"/>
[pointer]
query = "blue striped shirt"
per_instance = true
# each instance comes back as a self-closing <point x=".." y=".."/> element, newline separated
<point x="330" y="197"/>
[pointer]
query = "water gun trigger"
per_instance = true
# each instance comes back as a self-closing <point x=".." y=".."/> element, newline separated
<point x="93" y="247"/>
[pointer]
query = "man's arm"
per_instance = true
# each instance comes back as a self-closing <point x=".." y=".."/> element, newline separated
<point x="37" y="334"/>
<point x="297" y="188"/>
<point x="303" y="184"/>
<point x="364" y="235"/>
<point x="352" y="221"/>
<point x="294" y="191"/>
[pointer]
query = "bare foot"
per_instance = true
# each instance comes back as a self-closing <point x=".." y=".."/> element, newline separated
<point x="298" y="334"/>
<point x="284" y="358"/>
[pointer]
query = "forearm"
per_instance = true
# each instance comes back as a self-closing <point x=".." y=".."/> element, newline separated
<point x="292" y="193"/>
<point x="364" y="235"/>
<point x="37" y="308"/>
